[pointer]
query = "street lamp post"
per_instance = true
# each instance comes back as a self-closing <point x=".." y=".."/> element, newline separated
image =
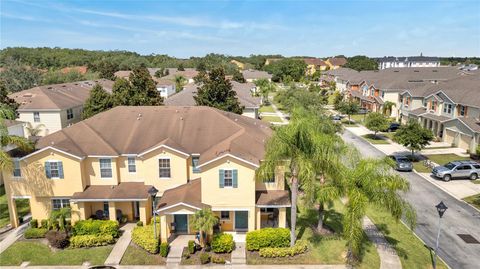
<point x="153" y="193"/>
<point x="441" y="208"/>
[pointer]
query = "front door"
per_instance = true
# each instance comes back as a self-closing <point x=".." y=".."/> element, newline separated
<point x="181" y="223"/>
<point x="241" y="220"/>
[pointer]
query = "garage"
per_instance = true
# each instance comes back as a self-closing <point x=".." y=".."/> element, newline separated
<point x="449" y="136"/>
<point x="464" y="141"/>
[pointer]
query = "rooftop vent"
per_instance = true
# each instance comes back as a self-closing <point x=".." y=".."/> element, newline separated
<point x="416" y="71"/>
<point x="27" y="95"/>
<point x="49" y="88"/>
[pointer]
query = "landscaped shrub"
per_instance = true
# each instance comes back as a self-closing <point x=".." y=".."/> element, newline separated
<point x="164" y="249"/>
<point x="89" y="240"/>
<point x="57" y="239"/>
<point x="477" y="150"/>
<point x="219" y="260"/>
<point x="191" y="246"/>
<point x="96" y="227"/>
<point x="53" y="224"/>
<point x="268" y="237"/>
<point x="153" y="220"/>
<point x="139" y="223"/>
<point x="143" y="237"/>
<point x="31" y="233"/>
<point x="223" y="243"/>
<point x="299" y="247"/>
<point x="33" y="223"/>
<point x="204" y="258"/>
<point x="44" y="224"/>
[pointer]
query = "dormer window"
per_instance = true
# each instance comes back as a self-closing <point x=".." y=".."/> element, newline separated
<point x="462" y="110"/>
<point x="447" y="108"/>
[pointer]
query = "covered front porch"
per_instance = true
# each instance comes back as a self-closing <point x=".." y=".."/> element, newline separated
<point x="128" y="200"/>
<point x="271" y="208"/>
<point x="434" y="123"/>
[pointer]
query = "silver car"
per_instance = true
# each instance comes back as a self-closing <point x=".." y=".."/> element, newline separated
<point x="457" y="169"/>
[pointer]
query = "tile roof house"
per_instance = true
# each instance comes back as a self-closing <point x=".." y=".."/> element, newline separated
<point x="314" y="64"/>
<point x="53" y="107"/>
<point x="195" y="157"/>
<point x="335" y="63"/>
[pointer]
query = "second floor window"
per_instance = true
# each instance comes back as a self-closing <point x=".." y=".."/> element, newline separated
<point x="447" y="108"/>
<point x="462" y="110"/>
<point x="228" y="178"/>
<point x="60" y="203"/>
<point x="195" y="168"/>
<point x="54" y="169"/>
<point x="106" y="168"/>
<point x="164" y="168"/>
<point x="16" y="168"/>
<point x="36" y="116"/>
<point x="433" y="106"/>
<point x="69" y="114"/>
<point x="132" y="167"/>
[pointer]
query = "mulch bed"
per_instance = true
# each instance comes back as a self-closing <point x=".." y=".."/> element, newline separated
<point x="194" y="259"/>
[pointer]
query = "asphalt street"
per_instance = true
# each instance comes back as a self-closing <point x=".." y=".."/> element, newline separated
<point x="459" y="218"/>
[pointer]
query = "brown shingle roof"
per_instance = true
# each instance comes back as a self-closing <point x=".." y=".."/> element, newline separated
<point x="207" y="131"/>
<point x="338" y="61"/>
<point x="463" y="90"/>
<point x="314" y="61"/>
<point x="122" y="191"/>
<point x="471" y="123"/>
<point x="273" y="198"/>
<point x="417" y="112"/>
<point x="189" y="193"/>
<point x="255" y="74"/>
<point x="435" y="117"/>
<point x="58" y="96"/>
<point x="10" y="123"/>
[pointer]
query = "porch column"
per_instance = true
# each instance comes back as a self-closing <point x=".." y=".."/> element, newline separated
<point x="145" y="211"/>
<point x="163" y="228"/>
<point x="258" y="218"/>
<point x="12" y="209"/>
<point x="282" y="217"/>
<point x="251" y="219"/>
<point x="112" y="212"/>
<point x="78" y="211"/>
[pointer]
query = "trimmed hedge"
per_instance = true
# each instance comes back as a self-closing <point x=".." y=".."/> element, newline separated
<point x="268" y="237"/>
<point x="191" y="246"/>
<point x="300" y="247"/>
<point x="204" y="258"/>
<point x="31" y="233"/>
<point x="89" y="240"/>
<point x="143" y="237"/>
<point x="222" y="243"/>
<point x="96" y="227"/>
<point x="44" y="224"/>
<point x="34" y="223"/>
<point x="164" y="249"/>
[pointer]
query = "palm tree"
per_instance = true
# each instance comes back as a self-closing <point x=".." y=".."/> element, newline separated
<point x="203" y="221"/>
<point x="179" y="82"/>
<point x="34" y="131"/>
<point x="6" y="139"/>
<point x="370" y="182"/>
<point x="60" y="215"/>
<point x="387" y="107"/>
<point x="294" y="146"/>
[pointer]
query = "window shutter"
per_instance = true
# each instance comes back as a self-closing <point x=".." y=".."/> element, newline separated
<point x="60" y="169"/>
<point x="221" y="178"/>
<point x="235" y="178"/>
<point x="47" y="170"/>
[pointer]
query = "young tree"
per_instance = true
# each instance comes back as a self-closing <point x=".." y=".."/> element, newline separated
<point x="238" y="77"/>
<point x="413" y="136"/>
<point x="361" y="63"/>
<point x="179" y="82"/>
<point x="337" y="100"/>
<point x="203" y="221"/>
<point x="98" y="101"/>
<point x="376" y="122"/>
<point x="349" y="108"/>
<point x="106" y="69"/>
<point x="216" y="91"/>
<point x="145" y="92"/>
<point x="180" y="67"/>
<point x="34" y="131"/>
<point x="201" y="67"/>
<point x="264" y="87"/>
<point x="5" y="100"/>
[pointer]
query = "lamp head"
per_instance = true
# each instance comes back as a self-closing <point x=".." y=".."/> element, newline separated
<point x="153" y="192"/>
<point x="441" y="208"/>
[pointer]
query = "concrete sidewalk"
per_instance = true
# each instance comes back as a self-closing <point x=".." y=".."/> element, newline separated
<point x="388" y="256"/>
<point x="458" y="188"/>
<point x="121" y="246"/>
<point x="13" y="236"/>
<point x="233" y="266"/>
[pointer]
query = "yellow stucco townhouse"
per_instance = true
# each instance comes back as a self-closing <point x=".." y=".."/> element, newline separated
<point x="196" y="157"/>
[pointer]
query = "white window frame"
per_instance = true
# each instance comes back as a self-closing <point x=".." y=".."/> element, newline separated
<point x="225" y="178"/>
<point x="100" y="166"/>
<point x="16" y="162"/>
<point x="64" y="202"/>
<point x="134" y="164"/>
<point x="169" y="167"/>
<point x="70" y="115"/>
<point x="49" y="162"/>
<point x="36" y="116"/>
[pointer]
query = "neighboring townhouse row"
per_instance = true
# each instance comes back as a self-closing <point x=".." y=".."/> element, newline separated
<point x="244" y="94"/>
<point x="53" y="107"/>
<point x="196" y="157"/>
<point x="251" y="75"/>
<point x="451" y="109"/>
<point x="411" y="61"/>
<point x="316" y="64"/>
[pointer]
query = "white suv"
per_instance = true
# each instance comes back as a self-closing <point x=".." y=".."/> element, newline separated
<point x="457" y="169"/>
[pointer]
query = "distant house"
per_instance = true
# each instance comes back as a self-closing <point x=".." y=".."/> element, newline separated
<point x="54" y="107"/>
<point x="188" y="73"/>
<point x="272" y="60"/>
<point x="251" y="75"/>
<point x="239" y="64"/>
<point x="244" y="95"/>
<point x="314" y="64"/>
<point x="411" y="61"/>
<point x="164" y="85"/>
<point x="335" y="63"/>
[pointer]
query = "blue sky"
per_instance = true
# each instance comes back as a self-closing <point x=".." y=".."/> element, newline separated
<point x="194" y="28"/>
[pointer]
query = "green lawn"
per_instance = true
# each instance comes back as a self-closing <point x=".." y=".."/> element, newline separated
<point x="23" y="207"/>
<point x="40" y="254"/>
<point x="135" y="255"/>
<point x="475" y="181"/>
<point x="412" y="252"/>
<point x="267" y="109"/>
<point x="358" y="117"/>
<point x="271" y="119"/>
<point x="440" y="159"/>
<point x="375" y="140"/>
<point x="389" y="135"/>
<point x="420" y="168"/>
<point x="473" y="200"/>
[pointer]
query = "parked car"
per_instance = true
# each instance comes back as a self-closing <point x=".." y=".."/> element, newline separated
<point x="363" y="111"/>
<point x="393" y="127"/>
<point x="457" y="169"/>
<point x="402" y="163"/>
<point x="336" y="118"/>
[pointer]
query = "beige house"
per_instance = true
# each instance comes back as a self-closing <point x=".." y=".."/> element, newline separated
<point x="197" y="157"/>
<point x="54" y="107"/>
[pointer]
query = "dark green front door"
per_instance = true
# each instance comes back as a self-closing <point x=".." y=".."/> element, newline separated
<point x="241" y="220"/>
<point x="181" y="223"/>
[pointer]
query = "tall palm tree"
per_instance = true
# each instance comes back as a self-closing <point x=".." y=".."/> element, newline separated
<point x="203" y="221"/>
<point x="370" y="182"/>
<point x="293" y="146"/>
<point x="34" y="131"/>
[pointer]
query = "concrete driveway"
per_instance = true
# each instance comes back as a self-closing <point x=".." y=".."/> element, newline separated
<point x="460" y="218"/>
